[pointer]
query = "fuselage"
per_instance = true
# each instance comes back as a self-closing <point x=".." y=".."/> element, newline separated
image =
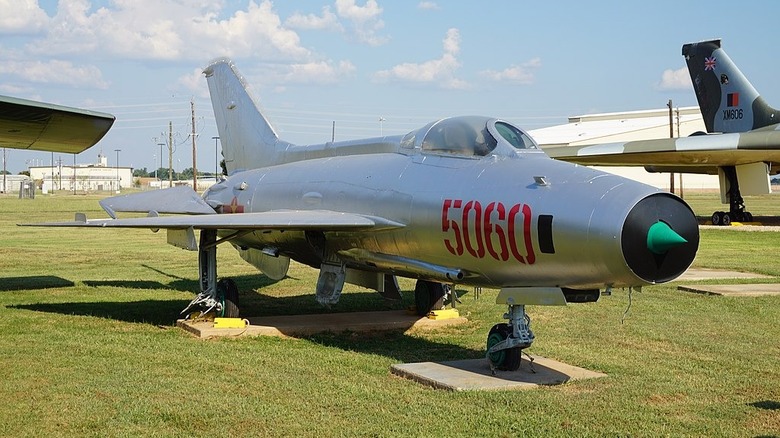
<point x="506" y="219"/>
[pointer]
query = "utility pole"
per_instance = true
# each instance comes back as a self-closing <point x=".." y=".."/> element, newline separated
<point x="170" y="154"/>
<point x="216" y="159"/>
<point x="194" y="150"/>
<point x="677" y="110"/>
<point x="5" y="187"/>
<point x="671" y="135"/>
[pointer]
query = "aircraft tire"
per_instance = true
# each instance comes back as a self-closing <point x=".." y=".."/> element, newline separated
<point x="726" y="221"/>
<point x="506" y="360"/>
<point x="428" y="296"/>
<point x="717" y="218"/>
<point x="227" y="292"/>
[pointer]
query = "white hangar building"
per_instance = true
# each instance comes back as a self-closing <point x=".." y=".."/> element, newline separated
<point x="83" y="177"/>
<point x="627" y="126"/>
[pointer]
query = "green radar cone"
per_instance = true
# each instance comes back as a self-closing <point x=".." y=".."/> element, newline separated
<point x="661" y="238"/>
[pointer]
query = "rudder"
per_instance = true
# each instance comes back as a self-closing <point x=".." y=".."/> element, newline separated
<point x="248" y="139"/>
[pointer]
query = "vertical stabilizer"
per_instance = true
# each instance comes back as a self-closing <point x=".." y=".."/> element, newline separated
<point x="728" y="101"/>
<point x="248" y="139"/>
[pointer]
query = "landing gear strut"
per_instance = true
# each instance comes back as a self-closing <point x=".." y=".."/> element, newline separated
<point x="220" y="297"/>
<point x="506" y="341"/>
<point x="736" y="203"/>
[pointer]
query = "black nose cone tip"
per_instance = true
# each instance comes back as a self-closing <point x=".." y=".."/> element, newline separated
<point x="660" y="238"/>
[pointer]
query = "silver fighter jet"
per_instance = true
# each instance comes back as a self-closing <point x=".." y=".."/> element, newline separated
<point x="460" y="201"/>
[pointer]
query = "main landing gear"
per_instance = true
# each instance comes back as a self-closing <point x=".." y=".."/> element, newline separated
<point x="736" y="203"/>
<point x="221" y="296"/>
<point x="429" y="295"/>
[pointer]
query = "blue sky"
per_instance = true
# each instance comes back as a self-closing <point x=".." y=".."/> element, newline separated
<point x="354" y="61"/>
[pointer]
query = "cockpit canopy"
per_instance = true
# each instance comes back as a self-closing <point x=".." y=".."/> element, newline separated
<point x="467" y="136"/>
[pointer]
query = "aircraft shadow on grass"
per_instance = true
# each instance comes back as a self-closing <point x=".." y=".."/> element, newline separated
<point x="393" y="343"/>
<point x="156" y="312"/>
<point x="769" y="405"/>
<point x="33" y="282"/>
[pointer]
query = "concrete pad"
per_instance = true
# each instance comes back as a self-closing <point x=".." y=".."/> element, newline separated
<point x="303" y="325"/>
<point x="696" y="274"/>
<point x="733" y="290"/>
<point x="475" y="374"/>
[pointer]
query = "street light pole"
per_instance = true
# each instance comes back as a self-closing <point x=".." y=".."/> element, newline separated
<point x="118" y="181"/>
<point x="159" y="177"/>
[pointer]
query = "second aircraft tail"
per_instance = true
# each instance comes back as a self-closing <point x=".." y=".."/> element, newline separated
<point x="728" y="101"/>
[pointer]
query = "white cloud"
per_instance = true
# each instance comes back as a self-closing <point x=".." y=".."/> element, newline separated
<point x="427" y="5"/>
<point x="327" y="21"/>
<point x="322" y="72"/>
<point x="55" y="72"/>
<point x="517" y="74"/>
<point x="194" y="83"/>
<point x="675" y="80"/>
<point x="22" y="17"/>
<point x="170" y="30"/>
<point x="440" y="71"/>
<point x="364" y="20"/>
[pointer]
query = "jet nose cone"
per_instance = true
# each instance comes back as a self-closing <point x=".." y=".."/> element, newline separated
<point x="661" y="238"/>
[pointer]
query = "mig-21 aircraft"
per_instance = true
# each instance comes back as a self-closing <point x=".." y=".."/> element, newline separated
<point x="741" y="146"/>
<point x="461" y="201"/>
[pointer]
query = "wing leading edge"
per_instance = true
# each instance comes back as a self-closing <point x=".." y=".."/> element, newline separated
<point x="27" y="124"/>
<point x="705" y="152"/>
<point x="322" y="220"/>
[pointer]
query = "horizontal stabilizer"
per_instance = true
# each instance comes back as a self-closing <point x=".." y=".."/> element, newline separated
<point x="175" y="200"/>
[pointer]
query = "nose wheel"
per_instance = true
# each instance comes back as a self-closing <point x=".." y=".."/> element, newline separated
<point x="507" y="359"/>
<point x="506" y="341"/>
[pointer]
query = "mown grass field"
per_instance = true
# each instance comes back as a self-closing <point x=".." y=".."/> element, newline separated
<point x="88" y="347"/>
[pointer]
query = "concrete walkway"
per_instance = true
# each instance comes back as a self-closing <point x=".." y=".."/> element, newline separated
<point x="475" y="374"/>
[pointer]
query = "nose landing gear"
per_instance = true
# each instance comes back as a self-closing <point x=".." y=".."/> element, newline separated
<point x="506" y="341"/>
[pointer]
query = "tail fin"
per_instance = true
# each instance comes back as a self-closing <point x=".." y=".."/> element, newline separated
<point x="727" y="100"/>
<point x="248" y="139"/>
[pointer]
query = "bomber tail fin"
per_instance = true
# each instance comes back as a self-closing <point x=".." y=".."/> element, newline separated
<point x="728" y="101"/>
<point x="248" y="139"/>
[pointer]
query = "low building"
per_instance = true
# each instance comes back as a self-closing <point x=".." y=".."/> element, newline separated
<point x="82" y="177"/>
<point x="12" y="183"/>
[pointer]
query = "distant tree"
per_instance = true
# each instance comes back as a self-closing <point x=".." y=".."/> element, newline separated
<point x="4" y="172"/>
<point x="25" y="172"/>
<point x="162" y="173"/>
<point x="140" y="173"/>
<point x="186" y="173"/>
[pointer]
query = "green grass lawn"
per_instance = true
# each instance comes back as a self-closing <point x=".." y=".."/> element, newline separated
<point x="88" y="347"/>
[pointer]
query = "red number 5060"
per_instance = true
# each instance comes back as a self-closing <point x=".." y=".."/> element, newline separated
<point x="492" y="230"/>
